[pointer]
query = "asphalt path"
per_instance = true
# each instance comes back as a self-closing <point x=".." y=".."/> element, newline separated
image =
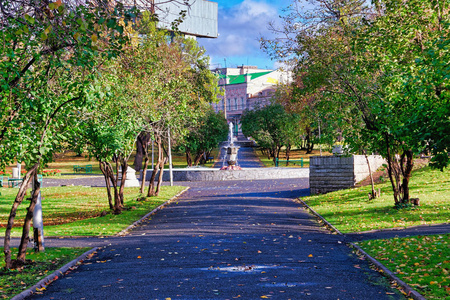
<point x="246" y="158"/>
<point x="226" y="240"/>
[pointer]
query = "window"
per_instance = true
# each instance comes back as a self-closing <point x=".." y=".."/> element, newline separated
<point x="228" y="104"/>
<point x="235" y="104"/>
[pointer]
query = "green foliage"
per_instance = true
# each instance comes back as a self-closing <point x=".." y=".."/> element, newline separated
<point x="13" y="282"/>
<point x="51" y="55"/>
<point x="420" y="261"/>
<point x="204" y="135"/>
<point x="271" y="127"/>
<point x="376" y="76"/>
<point x="51" y="58"/>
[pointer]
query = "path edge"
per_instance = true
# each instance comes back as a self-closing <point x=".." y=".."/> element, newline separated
<point x="126" y="230"/>
<point x="410" y="292"/>
<point x="60" y="272"/>
<point x="52" y="277"/>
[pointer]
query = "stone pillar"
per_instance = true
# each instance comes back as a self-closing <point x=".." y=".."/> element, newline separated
<point x="333" y="173"/>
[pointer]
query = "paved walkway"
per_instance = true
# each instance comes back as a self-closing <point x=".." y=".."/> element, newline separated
<point x="246" y="158"/>
<point x="225" y="240"/>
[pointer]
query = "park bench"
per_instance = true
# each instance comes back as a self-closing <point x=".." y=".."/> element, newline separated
<point x="87" y="168"/>
<point x="210" y="159"/>
<point x="15" y="182"/>
<point x="297" y="162"/>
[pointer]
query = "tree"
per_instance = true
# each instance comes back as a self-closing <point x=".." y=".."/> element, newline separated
<point x="210" y="130"/>
<point x="358" y="61"/>
<point x="181" y="85"/>
<point x="110" y="131"/>
<point x="51" y="52"/>
<point x="267" y="125"/>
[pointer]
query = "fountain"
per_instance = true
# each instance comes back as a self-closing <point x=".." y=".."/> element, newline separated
<point x="231" y="151"/>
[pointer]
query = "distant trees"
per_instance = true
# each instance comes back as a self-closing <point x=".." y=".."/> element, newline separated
<point x="375" y="75"/>
<point x="203" y="137"/>
<point x="272" y="128"/>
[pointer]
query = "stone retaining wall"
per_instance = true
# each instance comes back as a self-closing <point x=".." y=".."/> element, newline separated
<point x="332" y="173"/>
<point x="223" y="175"/>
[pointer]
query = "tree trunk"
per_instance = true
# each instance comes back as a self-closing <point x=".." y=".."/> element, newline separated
<point x="151" y="186"/>
<point x="407" y="157"/>
<point x="114" y="181"/>
<point x="391" y="171"/>
<point x="19" y="198"/>
<point x="161" y="169"/>
<point x="188" y="157"/>
<point x="144" y="174"/>
<point x="103" y="167"/>
<point x="21" y="255"/>
<point x="374" y="194"/>
<point x="278" y="151"/>
<point x="141" y="149"/>
<point x="288" y="153"/>
<point x="124" y="177"/>
<point x="275" y="153"/>
<point x="198" y="157"/>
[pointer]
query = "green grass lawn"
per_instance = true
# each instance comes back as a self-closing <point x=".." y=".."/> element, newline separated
<point x="69" y="211"/>
<point x="75" y="210"/>
<point x="64" y="162"/>
<point x="423" y="262"/>
<point x="351" y="211"/>
<point x="13" y="282"/>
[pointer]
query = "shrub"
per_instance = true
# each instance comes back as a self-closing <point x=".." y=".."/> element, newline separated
<point x="53" y="172"/>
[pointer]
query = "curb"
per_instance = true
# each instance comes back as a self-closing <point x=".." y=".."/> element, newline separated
<point x="410" y="292"/>
<point x="60" y="272"/>
<point x="319" y="216"/>
<point x="52" y="277"/>
<point x="125" y="231"/>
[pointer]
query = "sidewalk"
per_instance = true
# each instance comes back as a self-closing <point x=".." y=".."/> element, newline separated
<point x="225" y="240"/>
<point x="398" y="232"/>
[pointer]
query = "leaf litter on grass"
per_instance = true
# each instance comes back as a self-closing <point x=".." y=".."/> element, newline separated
<point x="423" y="262"/>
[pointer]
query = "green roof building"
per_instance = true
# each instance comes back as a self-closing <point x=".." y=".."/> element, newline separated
<point x="246" y="87"/>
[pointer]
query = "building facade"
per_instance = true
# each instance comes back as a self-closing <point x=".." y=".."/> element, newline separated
<point x="201" y="20"/>
<point x="246" y="87"/>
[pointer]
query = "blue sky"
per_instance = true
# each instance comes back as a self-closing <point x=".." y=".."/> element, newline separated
<point x="241" y="23"/>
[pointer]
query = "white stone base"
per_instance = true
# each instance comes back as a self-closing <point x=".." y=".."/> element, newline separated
<point x="131" y="180"/>
<point x="225" y="175"/>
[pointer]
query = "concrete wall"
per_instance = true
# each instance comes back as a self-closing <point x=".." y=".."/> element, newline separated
<point x="332" y="173"/>
<point x="225" y="175"/>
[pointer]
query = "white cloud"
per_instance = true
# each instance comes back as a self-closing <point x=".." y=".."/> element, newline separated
<point x="240" y="27"/>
